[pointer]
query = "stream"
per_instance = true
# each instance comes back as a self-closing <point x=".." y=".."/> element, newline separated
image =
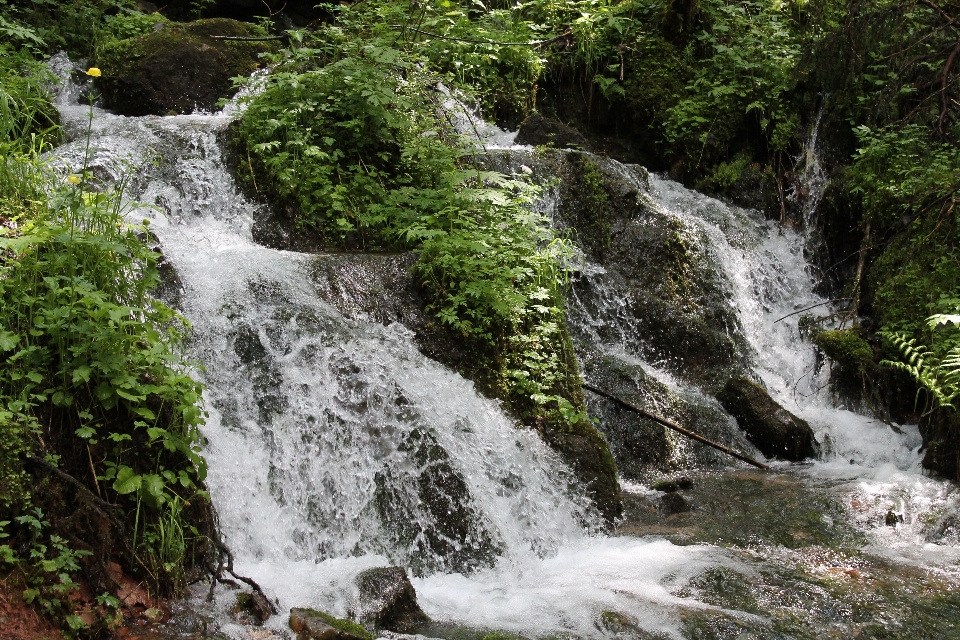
<point x="334" y="445"/>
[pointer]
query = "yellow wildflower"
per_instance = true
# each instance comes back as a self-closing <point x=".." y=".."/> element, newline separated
<point x="73" y="179"/>
<point x="94" y="72"/>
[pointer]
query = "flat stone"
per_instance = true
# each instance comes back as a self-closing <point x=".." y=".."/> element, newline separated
<point x="310" y="624"/>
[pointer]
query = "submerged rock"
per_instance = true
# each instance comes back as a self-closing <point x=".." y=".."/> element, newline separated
<point x="310" y="624"/>
<point x="774" y="430"/>
<point x="387" y="600"/>
<point x="254" y="605"/>
<point x="178" y="68"/>
<point x="443" y="528"/>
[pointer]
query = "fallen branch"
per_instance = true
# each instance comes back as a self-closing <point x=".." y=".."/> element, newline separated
<point x="98" y="503"/>
<point x="531" y="43"/>
<point x="675" y="427"/>
<point x="221" y="567"/>
<point x="251" y="39"/>
<point x="813" y="306"/>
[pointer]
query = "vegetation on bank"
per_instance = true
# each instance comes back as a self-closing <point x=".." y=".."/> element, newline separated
<point x="100" y="471"/>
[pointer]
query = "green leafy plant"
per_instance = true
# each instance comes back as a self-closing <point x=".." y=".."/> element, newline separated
<point x="49" y="569"/>
<point x="940" y="376"/>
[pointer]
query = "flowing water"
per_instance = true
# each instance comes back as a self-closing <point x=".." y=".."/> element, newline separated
<point x="335" y="446"/>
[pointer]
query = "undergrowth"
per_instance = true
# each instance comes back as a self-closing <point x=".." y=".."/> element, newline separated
<point x="96" y="400"/>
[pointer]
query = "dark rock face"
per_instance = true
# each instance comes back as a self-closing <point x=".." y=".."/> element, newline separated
<point x="537" y="130"/>
<point x="387" y="600"/>
<point x="451" y="535"/>
<point x="661" y="293"/>
<point x="178" y="68"/>
<point x="774" y="430"/>
<point x="646" y="450"/>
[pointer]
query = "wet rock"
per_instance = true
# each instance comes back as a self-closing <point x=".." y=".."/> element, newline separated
<point x="776" y="432"/>
<point x="661" y="292"/>
<point x="310" y="624"/>
<point x="441" y="527"/>
<point x="646" y="451"/>
<point x="537" y="130"/>
<point x="254" y="605"/>
<point x="669" y="486"/>
<point x="893" y="519"/>
<point x="177" y="69"/>
<point x="387" y="600"/>
<point x="674" y="503"/>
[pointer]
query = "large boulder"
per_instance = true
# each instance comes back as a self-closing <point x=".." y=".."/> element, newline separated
<point x="178" y="68"/>
<point x="538" y="130"/>
<point x="776" y="432"/>
<point x="387" y="600"/>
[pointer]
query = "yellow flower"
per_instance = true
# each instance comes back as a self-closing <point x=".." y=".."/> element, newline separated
<point x="93" y="71"/>
<point x="73" y="179"/>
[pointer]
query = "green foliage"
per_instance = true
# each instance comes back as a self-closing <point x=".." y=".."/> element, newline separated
<point x="83" y="344"/>
<point x="900" y="171"/>
<point x="351" y="133"/>
<point x="940" y="376"/>
<point x="87" y="353"/>
<point x="75" y="26"/>
<point x="49" y="569"/>
<point x="502" y="76"/>
<point x="27" y="117"/>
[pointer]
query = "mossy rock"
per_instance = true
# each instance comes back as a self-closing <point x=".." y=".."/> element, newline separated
<point x="846" y="348"/>
<point x="774" y="430"/>
<point x="179" y="68"/>
<point x="310" y="624"/>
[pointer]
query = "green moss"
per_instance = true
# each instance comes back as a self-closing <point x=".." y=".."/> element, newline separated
<point x="588" y="197"/>
<point x="846" y="348"/>
<point x="344" y="626"/>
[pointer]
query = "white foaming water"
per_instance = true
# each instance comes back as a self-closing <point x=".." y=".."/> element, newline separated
<point x="880" y="463"/>
<point x="335" y="446"/>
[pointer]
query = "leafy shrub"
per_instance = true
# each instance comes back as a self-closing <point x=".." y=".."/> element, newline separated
<point x="353" y="136"/>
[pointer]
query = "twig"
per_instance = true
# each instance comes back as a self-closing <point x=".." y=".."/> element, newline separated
<point x="676" y="427"/>
<point x="218" y="575"/>
<point x="99" y="503"/>
<point x="813" y="306"/>
<point x="531" y="43"/>
<point x="285" y="36"/>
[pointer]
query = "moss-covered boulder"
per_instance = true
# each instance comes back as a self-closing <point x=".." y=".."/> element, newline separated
<point x="178" y="68"/>
<point x="846" y="348"/>
<point x="310" y="624"/>
<point x="775" y="431"/>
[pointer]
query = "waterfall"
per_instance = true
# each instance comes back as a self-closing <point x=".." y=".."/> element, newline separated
<point x="334" y="445"/>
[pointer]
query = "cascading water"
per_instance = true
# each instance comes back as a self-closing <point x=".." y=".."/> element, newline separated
<point x="335" y="446"/>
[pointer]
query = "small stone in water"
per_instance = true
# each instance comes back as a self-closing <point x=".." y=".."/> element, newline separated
<point x="674" y="503"/>
<point x="892" y="519"/>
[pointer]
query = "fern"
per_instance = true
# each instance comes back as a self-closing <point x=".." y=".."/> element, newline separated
<point x="939" y="376"/>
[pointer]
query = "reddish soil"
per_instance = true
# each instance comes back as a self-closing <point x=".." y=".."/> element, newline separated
<point x="19" y="621"/>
